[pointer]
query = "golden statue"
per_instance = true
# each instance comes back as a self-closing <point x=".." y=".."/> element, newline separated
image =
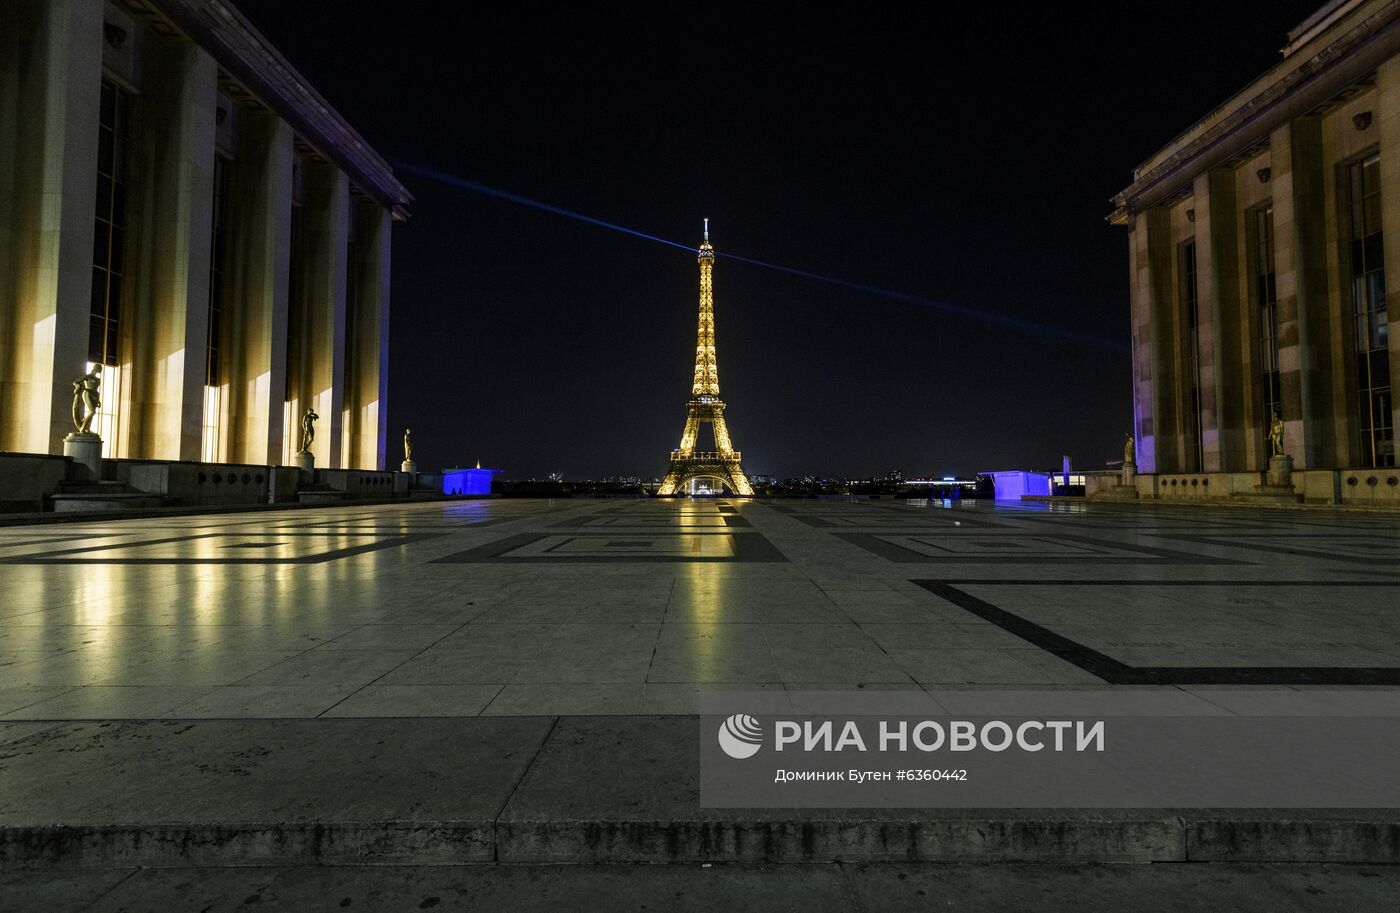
<point x="1276" y="436"/>
<point x="86" y="400"/>
<point x="308" y="430"/>
<point x="408" y="445"/>
<point x="1129" y="449"/>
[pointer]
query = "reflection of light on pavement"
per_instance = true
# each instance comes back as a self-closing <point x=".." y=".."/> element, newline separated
<point x="99" y="588"/>
<point x="314" y="593"/>
<point x="104" y="587"/>
<point x="704" y="585"/>
<point x="283" y="590"/>
<point x="471" y="509"/>
<point x="208" y="600"/>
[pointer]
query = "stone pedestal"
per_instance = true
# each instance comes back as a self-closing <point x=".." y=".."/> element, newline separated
<point x="1125" y="490"/>
<point x="86" y="449"/>
<point x="1278" y="483"/>
<point x="409" y="466"/>
<point x="306" y="462"/>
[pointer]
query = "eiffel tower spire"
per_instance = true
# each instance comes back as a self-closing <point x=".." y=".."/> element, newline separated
<point x="722" y="464"/>
<point x="706" y="370"/>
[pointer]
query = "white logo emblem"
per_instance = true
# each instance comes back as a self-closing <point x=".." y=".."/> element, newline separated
<point x="740" y="736"/>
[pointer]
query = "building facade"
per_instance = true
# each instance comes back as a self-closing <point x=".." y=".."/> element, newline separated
<point x="181" y="211"/>
<point x="1263" y="246"/>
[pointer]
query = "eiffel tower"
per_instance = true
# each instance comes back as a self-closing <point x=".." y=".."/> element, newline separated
<point x="722" y="463"/>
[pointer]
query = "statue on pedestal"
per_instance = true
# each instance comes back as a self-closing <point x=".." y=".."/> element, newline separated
<point x="1278" y="481"/>
<point x="408" y="445"/>
<point x="308" y="430"/>
<point x="1129" y="450"/>
<point x="86" y="400"/>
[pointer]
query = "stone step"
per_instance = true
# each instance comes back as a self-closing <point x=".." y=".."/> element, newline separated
<point x="79" y="504"/>
<point x="828" y="888"/>
<point x="75" y="487"/>
<point x="321" y="493"/>
<point x="331" y="496"/>
<point x="83" y="497"/>
<point x="582" y="790"/>
<point x="1115" y="493"/>
<point x="1273" y="494"/>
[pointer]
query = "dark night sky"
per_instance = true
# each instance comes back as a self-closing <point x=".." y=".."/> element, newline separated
<point x="967" y="158"/>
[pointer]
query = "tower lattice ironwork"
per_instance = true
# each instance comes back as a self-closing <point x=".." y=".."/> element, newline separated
<point x="722" y="463"/>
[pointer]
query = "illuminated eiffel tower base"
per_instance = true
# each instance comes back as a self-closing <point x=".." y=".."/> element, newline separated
<point x="721" y="465"/>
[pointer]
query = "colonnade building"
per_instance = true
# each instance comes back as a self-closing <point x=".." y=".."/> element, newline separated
<point x="180" y="210"/>
<point x="1263" y="246"/>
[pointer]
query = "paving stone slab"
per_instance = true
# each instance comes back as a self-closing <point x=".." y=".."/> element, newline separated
<point x="232" y="792"/>
<point x="534" y="639"/>
<point x="519" y="889"/>
<point x="1141" y="888"/>
<point x="886" y="887"/>
<point x="626" y="789"/>
<point x="52" y="890"/>
<point x="620" y="789"/>
<point x="1285" y="835"/>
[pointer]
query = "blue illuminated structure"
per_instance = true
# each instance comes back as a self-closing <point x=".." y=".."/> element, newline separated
<point x="1011" y="485"/>
<point x="467" y="481"/>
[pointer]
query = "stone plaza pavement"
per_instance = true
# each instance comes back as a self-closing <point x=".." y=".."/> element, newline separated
<point x="515" y="680"/>
<point x="586" y="607"/>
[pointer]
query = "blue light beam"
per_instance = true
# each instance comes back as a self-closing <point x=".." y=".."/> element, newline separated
<point x="957" y="310"/>
<point x="453" y="180"/>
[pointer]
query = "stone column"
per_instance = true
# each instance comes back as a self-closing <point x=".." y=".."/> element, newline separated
<point x="1140" y="333"/>
<point x="257" y="312"/>
<point x="1223" y="381"/>
<point x="1207" y="320"/>
<point x="326" y="215"/>
<point x="173" y="194"/>
<point x="1249" y="392"/>
<point x="1304" y="311"/>
<point x="367" y="377"/>
<point x="1160" y="439"/>
<point x="50" y="85"/>
<point x="1388" y="111"/>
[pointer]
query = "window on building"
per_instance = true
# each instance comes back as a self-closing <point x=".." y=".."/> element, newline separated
<point x="218" y="262"/>
<point x="108" y="247"/>
<point x="1377" y="436"/>
<point x="1194" y="442"/>
<point x="1266" y="299"/>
